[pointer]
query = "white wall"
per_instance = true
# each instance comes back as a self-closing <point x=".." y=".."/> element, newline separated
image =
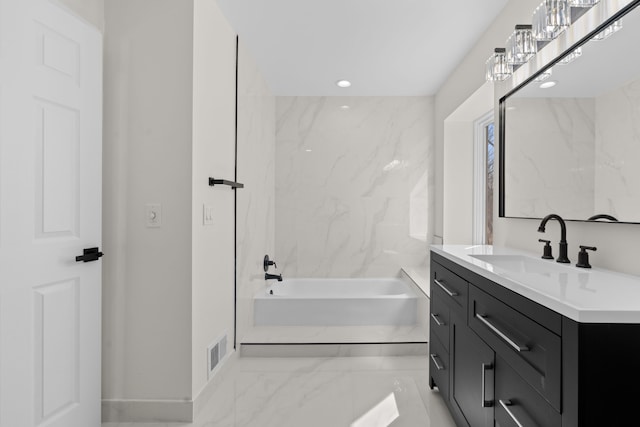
<point x="617" y="243"/>
<point x="353" y="206"/>
<point x="465" y="80"/>
<point x="147" y="159"/>
<point x="459" y="172"/>
<point x="256" y="170"/>
<point x="213" y="155"/>
<point x="90" y="10"/>
<point x="458" y="183"/>
<point x="170" y="114"/>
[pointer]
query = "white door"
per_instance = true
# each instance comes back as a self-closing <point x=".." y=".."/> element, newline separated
<point x="50" y="210"/>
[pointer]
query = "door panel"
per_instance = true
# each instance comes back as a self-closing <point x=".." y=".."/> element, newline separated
<point x="50" y="210"/>
<point x="56" y="170"/>
<point x="56" y="327"/>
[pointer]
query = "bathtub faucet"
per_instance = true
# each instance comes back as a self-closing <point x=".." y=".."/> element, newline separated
<point x="268" y="276"/>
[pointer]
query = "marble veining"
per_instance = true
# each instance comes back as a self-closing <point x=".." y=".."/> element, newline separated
<point x="574" y="156"/>
<point x="321" y="392"/>
<point x="550" y="167"/>
<point x="348" y="181"/>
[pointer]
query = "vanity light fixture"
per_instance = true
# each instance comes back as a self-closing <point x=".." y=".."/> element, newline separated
<point x="558" y="15"/>
<point x="539" y="24"/>
<point x="343" y="83"/>
<point x="550" y="19"/>
<point x="497" y="67"/>
<point x="583" y="3"/>
<point x="521" y="45"/>
<point x="609" y="31"/>
<point x="577" y="53"/>
<point x="549" y="84"/>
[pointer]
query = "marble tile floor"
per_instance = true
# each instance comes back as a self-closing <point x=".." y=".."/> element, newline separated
<point x="322" y="392"/>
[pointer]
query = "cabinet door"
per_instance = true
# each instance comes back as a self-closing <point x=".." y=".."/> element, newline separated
<point x="519" y="404"/>
<point x="473" y="375"/>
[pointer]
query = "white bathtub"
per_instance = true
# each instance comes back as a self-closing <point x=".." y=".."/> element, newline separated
<point x="336" y="302"/>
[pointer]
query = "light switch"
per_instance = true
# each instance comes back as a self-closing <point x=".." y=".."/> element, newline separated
<point x="207" y="213"/>
<point x="153" y="212"/>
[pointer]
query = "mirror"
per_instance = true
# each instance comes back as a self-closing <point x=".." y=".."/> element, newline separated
<point x="574" y="149"/>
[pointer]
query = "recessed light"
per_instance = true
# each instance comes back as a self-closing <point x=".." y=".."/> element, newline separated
<point x="547" y="85"/>
<point x="308" y="150"/>
<point x="343" y="83"/>
<point x="345" y="107"/>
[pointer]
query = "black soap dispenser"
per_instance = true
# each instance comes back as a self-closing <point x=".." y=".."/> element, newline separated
<point x="583" y="256"/>
<point x="547" y="249"/>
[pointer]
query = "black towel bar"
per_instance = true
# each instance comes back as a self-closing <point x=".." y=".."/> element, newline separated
<point x="232" y="184"/>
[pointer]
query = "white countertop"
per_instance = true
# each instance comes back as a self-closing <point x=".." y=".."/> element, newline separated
<point x="584" y="295"/>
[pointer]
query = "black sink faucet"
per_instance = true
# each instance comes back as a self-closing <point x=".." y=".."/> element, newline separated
<point x="563" y="236"/>
<point x="268" y="276"/>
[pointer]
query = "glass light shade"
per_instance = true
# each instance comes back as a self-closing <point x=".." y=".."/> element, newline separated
<point x="558" y="15"/>
<point x="577" y="53"/>
<point x="497" y="67"/>
<point x="583" y="3"/>
<point x="550" y="19"/>
<point x="607" y="32"/>
<point x="521" y="45"/>
<point x="539" y="24"/>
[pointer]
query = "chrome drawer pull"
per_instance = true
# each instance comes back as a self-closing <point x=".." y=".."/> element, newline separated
<point x="505" y="404"/>
<point x="501" y="334"/>
<point x="439" y="366"/>
<point x="437" y="320"/>
<point x="485" y="403"/>
<point x="444" y="288"/>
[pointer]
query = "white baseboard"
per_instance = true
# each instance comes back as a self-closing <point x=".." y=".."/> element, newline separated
<point x="147" y="410"/>
<point x="333" y="350"/>
<point x="116" y="410"/>
<point x="227" y="366"/>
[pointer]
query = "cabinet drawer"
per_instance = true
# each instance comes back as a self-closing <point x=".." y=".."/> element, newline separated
<point x="532" y="350"/>
<point x="439" y="366"/>
<point x="517" y="403"/>
<point x="439" y="320"/>
<point x="451" y="287"/>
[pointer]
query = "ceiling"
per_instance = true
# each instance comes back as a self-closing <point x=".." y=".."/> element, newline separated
<point x="384" y="47"/>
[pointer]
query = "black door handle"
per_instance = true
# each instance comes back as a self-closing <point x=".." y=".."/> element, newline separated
<point x="88" y="255"/>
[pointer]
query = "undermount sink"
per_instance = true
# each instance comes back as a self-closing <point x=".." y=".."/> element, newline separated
<point x="522" y="264"/>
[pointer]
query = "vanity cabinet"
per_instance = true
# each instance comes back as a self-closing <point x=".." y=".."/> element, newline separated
<point x="473" y="372"/>
<point x="532" y="350"/>
<point x="461" y="364"/>
<point x="517" y="403"/>
<point x="500" y="359"/>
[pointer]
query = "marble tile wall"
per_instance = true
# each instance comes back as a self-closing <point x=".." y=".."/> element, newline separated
<point x="550" y="158"/>
<point x="617" y="190"/>
<point x="255" y="214"/>
<point x="353" y="184"/>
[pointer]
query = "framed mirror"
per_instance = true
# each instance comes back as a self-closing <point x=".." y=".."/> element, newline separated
<point x="570" y="142"/>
